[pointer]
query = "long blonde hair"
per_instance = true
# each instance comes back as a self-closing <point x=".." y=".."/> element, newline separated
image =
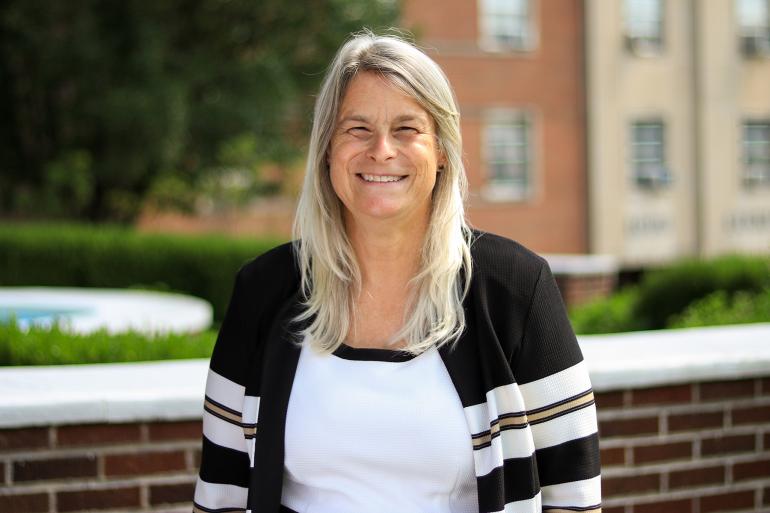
<point x="327" y="263"/>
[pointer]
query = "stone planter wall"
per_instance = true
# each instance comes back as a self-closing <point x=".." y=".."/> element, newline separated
<point x="684" y="418"/>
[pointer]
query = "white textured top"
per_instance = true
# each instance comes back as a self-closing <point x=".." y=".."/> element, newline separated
<point x="379" y="431"/>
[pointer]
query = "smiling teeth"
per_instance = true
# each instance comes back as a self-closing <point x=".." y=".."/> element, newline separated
<point x="380" y="178"/>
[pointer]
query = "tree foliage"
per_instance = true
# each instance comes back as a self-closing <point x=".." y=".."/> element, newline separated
<point x="100" y="98"/>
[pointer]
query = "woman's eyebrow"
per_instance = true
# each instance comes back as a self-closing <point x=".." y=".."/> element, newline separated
<point x="398" y="119"/>
<point x="409" y="118"/>
<point x="354" y="117"/>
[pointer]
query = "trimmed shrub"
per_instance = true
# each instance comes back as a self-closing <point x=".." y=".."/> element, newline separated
<point x="76" y="255"/>
<point x="53" y="346"/>
<point x="612" y="314"/>
<point x="666" y="292"/>
<point x="720" y="308"/>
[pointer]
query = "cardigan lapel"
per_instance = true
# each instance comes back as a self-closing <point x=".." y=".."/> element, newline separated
<point x="279" y="366"/>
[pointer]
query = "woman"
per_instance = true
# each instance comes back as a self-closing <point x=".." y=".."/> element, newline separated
<point x="392" y="359"/>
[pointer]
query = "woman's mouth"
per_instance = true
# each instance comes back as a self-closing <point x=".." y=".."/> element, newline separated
<point x="380" y="178"/>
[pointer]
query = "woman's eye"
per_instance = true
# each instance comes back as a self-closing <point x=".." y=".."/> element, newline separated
<point x="358" y="129"/>
<point x="407" y="129"/>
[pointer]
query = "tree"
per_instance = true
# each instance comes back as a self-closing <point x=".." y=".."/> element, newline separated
<point x="98" y="98"/>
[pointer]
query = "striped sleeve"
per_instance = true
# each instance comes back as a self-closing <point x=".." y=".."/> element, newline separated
<point x="559" y="403"/>
<point x="222" y="483"/>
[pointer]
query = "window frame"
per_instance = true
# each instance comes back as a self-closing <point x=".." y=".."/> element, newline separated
<point x="513" y="189"/>
<point x="749" y="178"/>
<point x="660" y="177"/>
<point x="489" y="41"/>
<point x="639" y="44"/>
<point x="754" y="40"/>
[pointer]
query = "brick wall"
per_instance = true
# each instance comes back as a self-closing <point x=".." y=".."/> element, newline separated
<point x="578" y="289"/>
<point x="125" y="467"/>
<point x="698" y="448"/>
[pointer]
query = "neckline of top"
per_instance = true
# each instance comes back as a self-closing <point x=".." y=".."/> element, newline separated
<point x="347" y="352"/>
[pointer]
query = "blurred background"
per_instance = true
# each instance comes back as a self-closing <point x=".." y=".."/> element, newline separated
<point x="637" y="128"/>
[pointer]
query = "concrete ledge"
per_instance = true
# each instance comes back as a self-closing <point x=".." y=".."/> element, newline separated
<point x="173" y="390"/>
<point x="666" y="357"/>
<point x="582" y="265"/>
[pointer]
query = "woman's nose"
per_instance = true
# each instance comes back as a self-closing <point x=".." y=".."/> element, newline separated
<point x="382" y="147"/>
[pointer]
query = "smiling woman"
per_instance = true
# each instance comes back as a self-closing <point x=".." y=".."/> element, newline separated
<point x="391" y="358"/>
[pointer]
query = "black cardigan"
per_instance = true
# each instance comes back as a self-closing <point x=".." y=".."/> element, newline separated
<point x="517" y="369"/>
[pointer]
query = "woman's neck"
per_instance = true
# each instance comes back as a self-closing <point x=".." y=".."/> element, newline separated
<point x="387" y="253"/>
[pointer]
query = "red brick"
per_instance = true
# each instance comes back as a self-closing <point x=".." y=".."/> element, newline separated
<point x="98" y="434"/>
<point x="54" y="468"/>
<point x="2" y="472"/>
<point x="726" y="390"/>
<point x="662" y="452"/>
<point x="24" y="503"/>
<point x="196" y="458"/>
<point x="674" y="506"/>
<point x="608" y="399"/>
<point x="695" y="421"/>
<point x="662" y="395"/>
<point x="751" y="470"/>
<point x="144" y="463"/>
<point x="696" y="477"/>
<point x="621" y="486"/>
<point x="98" y="499"/>
<point x="616" y="509"/>
<point x="169" y="494"/>
<point x="767" y="441"/>
<point x="613" y="456"/>
<point x="192" y="430"/>
<point x="628" y="427"/>
<point x="751" y="415"/>
<point x="766" y="495"/>
<point x="25" y="438"/>
<point x="727" y="444"/>
<point x="765" y="386"/>
<point x="727" y="501"/>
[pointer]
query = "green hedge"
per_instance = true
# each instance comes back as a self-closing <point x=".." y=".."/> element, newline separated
<point x="77" y="255"/>
<point x="664" y="293"/>
<point x="722" y="308"/>
<point x="663" y="296"/>
<point x="52" y="346"/>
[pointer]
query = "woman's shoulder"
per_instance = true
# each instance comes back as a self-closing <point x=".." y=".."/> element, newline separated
<point x="275" y="266"/>
<point x="495" y="253"/>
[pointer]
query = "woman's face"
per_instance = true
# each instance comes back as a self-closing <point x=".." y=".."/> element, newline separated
<point x="383" y="154"/>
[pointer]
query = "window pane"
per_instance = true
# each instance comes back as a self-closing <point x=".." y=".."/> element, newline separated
<point x="643" y="18"/>
<point x="505" y="22"/>
<point x="648" y="153"/>
<point x="756" y="152"/>
<point x="753" y="15"/>
<point x="508" y="153"/>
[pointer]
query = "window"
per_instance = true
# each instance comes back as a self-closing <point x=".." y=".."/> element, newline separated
<point x="506" y="24"/>
<point x="507" y="140"/>
<point x="754" y="27"/>
<point x="648" y="156"/>
<point x="643" y="21"/>
<point x="756" y="153"/>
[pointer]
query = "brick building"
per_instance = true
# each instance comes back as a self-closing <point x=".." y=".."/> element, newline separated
<point x="517" y="69"/>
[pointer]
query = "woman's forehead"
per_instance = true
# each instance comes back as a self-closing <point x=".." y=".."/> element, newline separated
<point x="370" y="95"/>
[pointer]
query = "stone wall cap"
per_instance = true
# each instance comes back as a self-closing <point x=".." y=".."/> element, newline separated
<point x="666" y="357"/>
<point x="173" y="390"/>
<point x="576" y="265"/>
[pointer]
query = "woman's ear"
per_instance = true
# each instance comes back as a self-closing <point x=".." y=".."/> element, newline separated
<point x="441" y="163"/>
